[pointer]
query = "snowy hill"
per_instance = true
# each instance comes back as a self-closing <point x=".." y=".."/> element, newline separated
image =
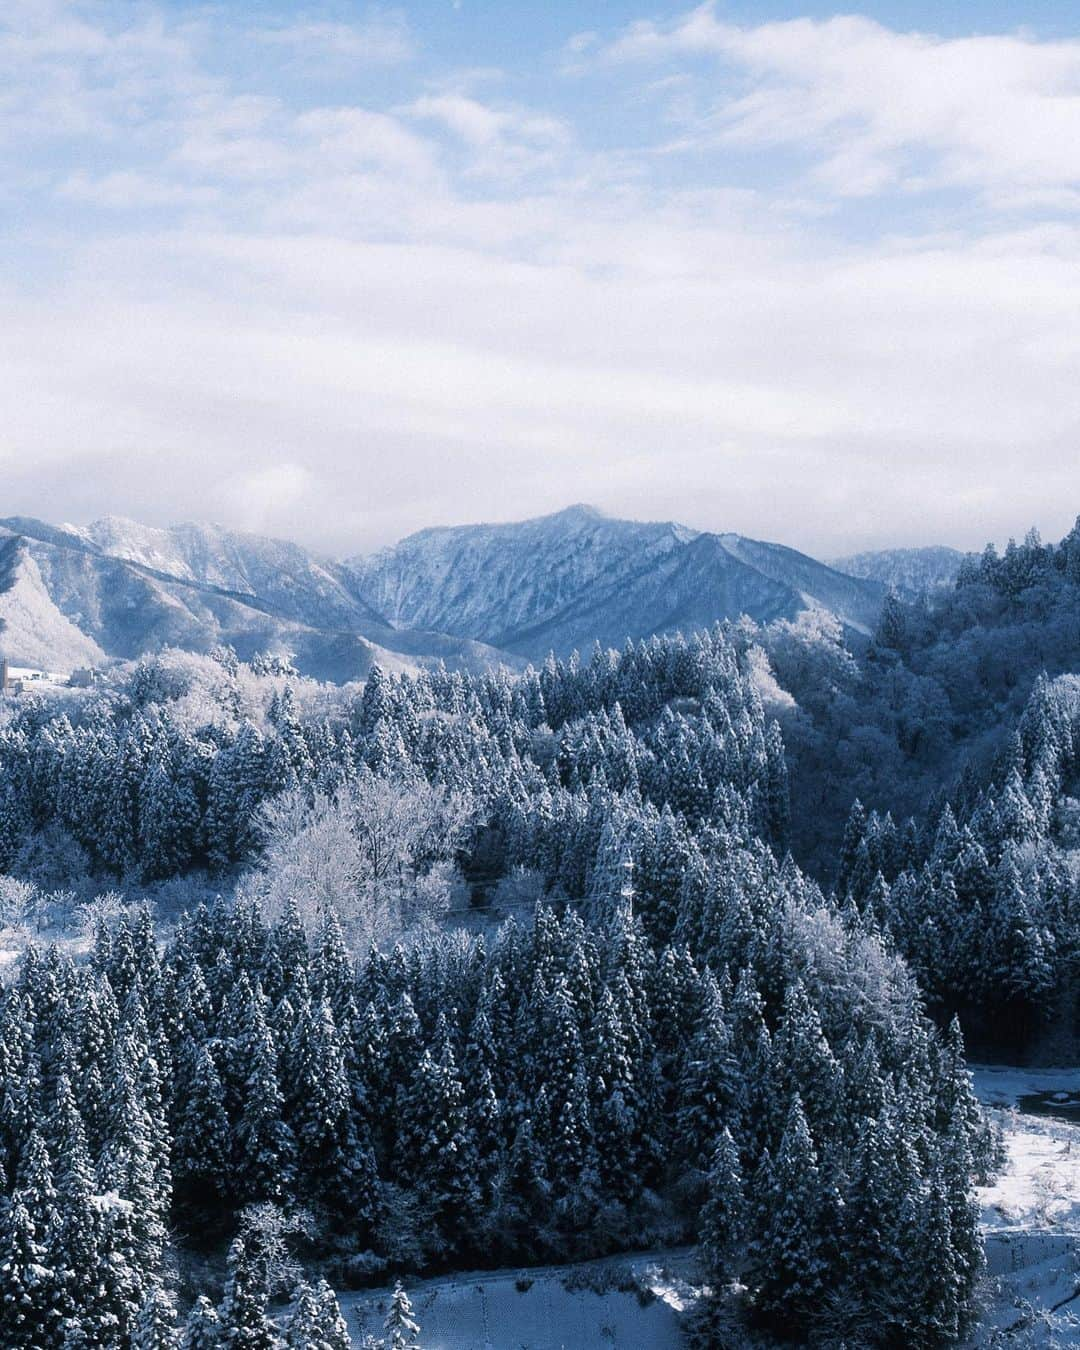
<point x="621" y="1301"/>
<point x="908" y="571"/>
<point x="471" y="596"/>
<point x="296" y="584"/>
<point x="71" y="601"/>
<point x="569" y="579"/>
<point x="33" y="631"/>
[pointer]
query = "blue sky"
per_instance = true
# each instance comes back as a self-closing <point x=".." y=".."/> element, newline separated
<point x="339" y="271"/>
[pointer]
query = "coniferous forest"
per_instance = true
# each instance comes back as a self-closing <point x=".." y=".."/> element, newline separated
<point x="677" y="944"/>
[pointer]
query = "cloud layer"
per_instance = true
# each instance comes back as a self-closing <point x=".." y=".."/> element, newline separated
<point x="810" y="280"/>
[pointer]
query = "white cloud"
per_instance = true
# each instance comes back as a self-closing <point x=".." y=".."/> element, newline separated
<point x="267" y="498"/>
<point x="380" y="39"/>
<point x="355" y="316"/>
<point x="482" y="125"/>
<point x="125" y="190"/>
<point x="504" y="142"/>
<point x="880" y="108"/>
<point x="357" y="135"/>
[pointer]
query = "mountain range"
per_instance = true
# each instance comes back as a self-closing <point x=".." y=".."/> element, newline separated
<point x="565" y="581"/>
<point x="74" y="596"/>
<point x="471" y="596"/>
<point x="908" y="571"/>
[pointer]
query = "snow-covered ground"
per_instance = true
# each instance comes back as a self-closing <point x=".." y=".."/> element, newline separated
<point x="626" y="1303"/>
<point x="1031" y="1214"/>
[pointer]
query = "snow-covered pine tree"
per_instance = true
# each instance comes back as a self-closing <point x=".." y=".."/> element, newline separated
<point x="244" y="1321"/>
<point x="155" y="1327"/>
<point x="402" y="1329"/>
<point x="202" y="1330"/>
<point x="795" y="1228"/>
<point x="723" y="1215"/>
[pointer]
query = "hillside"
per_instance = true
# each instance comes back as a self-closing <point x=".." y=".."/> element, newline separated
<point x="908" y="571"/>
<point x="297" y="585"/>
<point x="564" y="581"/>
<point x="471" y="596"/>
<point x="33" y="632"/>
<point x="78" y="602"/>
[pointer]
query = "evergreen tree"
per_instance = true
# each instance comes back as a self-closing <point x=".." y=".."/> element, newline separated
<point x="155" y="1328"/>
<point x="202" y="1145"/>
<point x="268" y="1150"/>
<point x="791" y="1250"/>
<point x="244" y="1323"/>
<point x="402" y="1330"/>
<point x="723" y="1214"/>
<point x="30" y="1308"/>
<point x="316" y="1322"/>
<point x="202" y="1331"/>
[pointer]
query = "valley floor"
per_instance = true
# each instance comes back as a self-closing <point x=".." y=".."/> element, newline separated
<point x="626" y="1303"/>
<point x="1031" y="1214"/>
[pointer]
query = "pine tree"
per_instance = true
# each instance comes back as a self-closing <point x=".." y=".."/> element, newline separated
<point x="74" y="1244"/>
<point x="167" y="819"/>
<point x="875" y="1193"/>
<point x="709" y="1088"/>
<point x="30" y="1308"/>
<point x="927" y="1297"/>
<point x="245" y="1324"/>
<point x="316" y="1322"/>
<point x="529" y="1191"/>
<point x="202" y="1331"/>
<point x="36" y="1190"/>
<point x="266" y="1165"/>
<point x="723" y="1214"/>
<point x="304" y="1331"/>
<point x="335" y="1329"/>
<point x="155" y="1328"/>
<point x="320" y="1096"/>
<point x="402" y="1330"/>
<point x="439" y="1147"/>
<point x="202" y="1144"/>
<point x="792" y="1249"/>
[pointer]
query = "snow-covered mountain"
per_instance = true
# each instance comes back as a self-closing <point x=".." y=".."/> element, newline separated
<point x="470" y="595"/>
<point x="33" y="631"/>
<point x="295" y="583"/>
<point x="67" y="599"/>
<point x="908" y="571"/>
<point x="563" y="581"/>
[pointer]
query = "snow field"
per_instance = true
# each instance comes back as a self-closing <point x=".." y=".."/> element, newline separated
<point x="1031" y="1217"/>
<point x="554" y="1308"/>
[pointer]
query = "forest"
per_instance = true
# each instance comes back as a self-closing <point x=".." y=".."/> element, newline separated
<point x="674" y="944"/>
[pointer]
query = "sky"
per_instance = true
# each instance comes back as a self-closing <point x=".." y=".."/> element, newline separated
<point x="337" y="272"/>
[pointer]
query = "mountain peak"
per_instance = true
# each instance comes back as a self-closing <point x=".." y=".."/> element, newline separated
<point x="578" y="511"/>
<point x="559" y="581"/>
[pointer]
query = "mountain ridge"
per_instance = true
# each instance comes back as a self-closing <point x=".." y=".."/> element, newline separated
<point x="127" y="609"/>
<point x="910" y="572"/>
<point x="473" y="596"/>
<point x="578" y="576"/>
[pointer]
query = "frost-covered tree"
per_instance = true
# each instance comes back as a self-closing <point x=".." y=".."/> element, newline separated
<point x="202" y="1331"/>
<point x="401" y="1328"/>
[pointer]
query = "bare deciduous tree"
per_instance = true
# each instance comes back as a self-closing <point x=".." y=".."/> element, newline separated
<point x="377" y="853"/>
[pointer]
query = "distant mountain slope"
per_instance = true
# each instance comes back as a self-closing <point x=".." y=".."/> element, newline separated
<point x="563" y="581"/>
<point x="280" y="574"/>
<point x="33" y="631"/>
<point x="471" y="596"/>
<point x="72" y="590"/>
<point x="908" y="571"/>
<point x="501" y="580"/>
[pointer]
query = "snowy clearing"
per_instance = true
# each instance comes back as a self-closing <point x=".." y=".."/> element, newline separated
<point x="1031" y="1215"/>
<point x="552" y="1308"/>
